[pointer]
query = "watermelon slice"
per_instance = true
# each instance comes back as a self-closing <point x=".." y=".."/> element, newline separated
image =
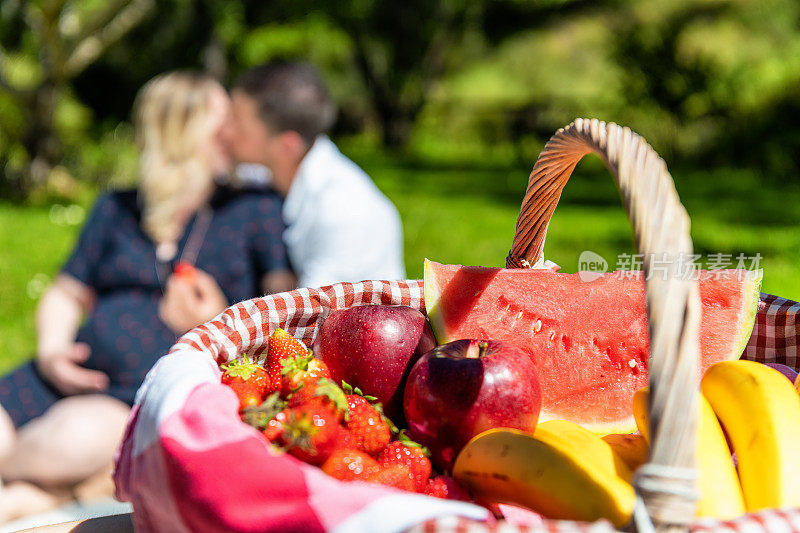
<point x="589" y="340"/>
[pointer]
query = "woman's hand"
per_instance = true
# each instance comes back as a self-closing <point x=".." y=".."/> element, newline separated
<point x="190" y="300"/>
<point x="59" y="357"/>
<point x="62" y="368"/>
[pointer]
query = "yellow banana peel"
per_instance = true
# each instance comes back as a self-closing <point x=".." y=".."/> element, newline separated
<point x="632" y="448"/>
<point x="720" y="495"/>
<point x="562" y="471"/>
<point x="760" y="410"/>
<point x="641" y="412"/>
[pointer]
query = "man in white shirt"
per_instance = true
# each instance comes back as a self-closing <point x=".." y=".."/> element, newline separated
<point x="340" y="227"/>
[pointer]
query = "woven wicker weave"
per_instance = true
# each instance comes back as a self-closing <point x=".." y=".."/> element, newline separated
<point x="661" y="233"/>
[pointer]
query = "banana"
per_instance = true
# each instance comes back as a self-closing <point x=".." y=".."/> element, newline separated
<point x="759" y="409"/>
<point x="562" y="471"/>
<point x="720" y="495"/>
<point x="720" y="491"/>
<point x="641" y="411"/>
<point x="630" y="447"/>
<point x="570" y="434"/>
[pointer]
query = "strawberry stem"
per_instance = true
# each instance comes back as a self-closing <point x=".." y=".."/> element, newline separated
<point x="243" y="368"/>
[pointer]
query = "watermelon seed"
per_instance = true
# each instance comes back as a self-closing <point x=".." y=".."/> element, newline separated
<point x="632" y="363"/>
<point x="537" y="326"/>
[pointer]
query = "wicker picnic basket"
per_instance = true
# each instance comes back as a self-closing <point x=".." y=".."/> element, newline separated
<point x="661" y="229"/>
<point x="184" y="423"/>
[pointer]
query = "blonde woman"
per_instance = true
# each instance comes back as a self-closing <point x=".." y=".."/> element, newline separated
<point x="119" y="303"/>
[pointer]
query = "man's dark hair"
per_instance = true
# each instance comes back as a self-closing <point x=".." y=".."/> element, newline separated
<point x="291" y="96"/>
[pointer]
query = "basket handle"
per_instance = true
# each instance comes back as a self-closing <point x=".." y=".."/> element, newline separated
<point x="661" y="233"/>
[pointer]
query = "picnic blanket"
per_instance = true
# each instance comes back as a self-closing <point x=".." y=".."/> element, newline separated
<point x="187" y="463"/>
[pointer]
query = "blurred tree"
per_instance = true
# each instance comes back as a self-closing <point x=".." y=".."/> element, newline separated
<point x="400" y="50"/>
<point x="403" y="49"/>
<point x="707" y="82"/>
<point x="44" y="44"/>
<point x="702" y="80"/>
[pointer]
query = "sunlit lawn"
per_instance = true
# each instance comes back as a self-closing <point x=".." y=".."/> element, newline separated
<point x="467" y="215"/>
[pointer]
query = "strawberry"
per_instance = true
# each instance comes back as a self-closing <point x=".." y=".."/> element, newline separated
<point x="275" y="427"/>
<point x="249" y="395"/>
<point x="411" y="455"/>
<point x="281" y="346"/>
<point x="350" y="465"/>
<point x="267" y="417"/>
<point x="397" y="476"/>
<point x="370" y="432"/>
<point x="447" y="488"/>
<point x="322" y="392"/>
<point x="184" y="270"/>
<point x="311" y="432"/>
<point x="246" y="371"/>
<point x="344" y="441"/>
<point x="301" y="370"/>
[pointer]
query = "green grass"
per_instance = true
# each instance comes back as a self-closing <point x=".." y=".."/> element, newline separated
<point x="466" y="214"/>
<point x="32" y="248"/>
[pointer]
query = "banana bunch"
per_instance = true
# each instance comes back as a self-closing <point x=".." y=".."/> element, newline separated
<point x="720" y="495"/>
<point x="562" y="471"/>
<point x="760" y="411"/>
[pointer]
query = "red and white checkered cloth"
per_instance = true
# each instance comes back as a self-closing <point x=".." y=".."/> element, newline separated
<point x="772" y="521"/>
<point x="187" y="463"/>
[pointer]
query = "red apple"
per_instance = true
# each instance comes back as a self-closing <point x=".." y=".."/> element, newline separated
<point x="465" y="387"/>
<point x="373" y="347"/>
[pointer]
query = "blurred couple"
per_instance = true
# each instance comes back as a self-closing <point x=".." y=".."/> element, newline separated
<point x="119" y="302"/>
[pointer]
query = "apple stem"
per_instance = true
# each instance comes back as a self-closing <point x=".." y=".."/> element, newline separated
<point x="482" y="348"/>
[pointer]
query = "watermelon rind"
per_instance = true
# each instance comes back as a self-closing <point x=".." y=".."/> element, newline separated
<point x="752" y="295"/>
<point x="431" y="292"/>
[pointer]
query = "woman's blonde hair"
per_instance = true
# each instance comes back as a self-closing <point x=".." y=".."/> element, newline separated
<point x="172" y="120"/>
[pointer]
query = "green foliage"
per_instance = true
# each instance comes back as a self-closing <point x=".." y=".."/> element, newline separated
<point x="44" y="47"/>
<point x="703" y="81"/>
<point x="707" y="82"/>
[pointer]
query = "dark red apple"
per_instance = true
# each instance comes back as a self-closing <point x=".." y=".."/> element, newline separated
<point x="373" y="347"/>
<point x="465" y="387"/>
